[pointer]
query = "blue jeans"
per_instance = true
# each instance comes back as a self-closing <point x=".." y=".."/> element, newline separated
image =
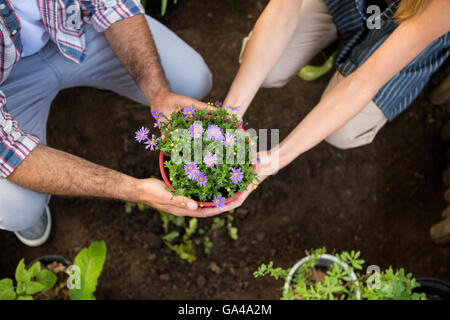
<point x="37" y="79"/>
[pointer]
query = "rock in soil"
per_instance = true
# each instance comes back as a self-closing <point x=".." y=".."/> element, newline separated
<point x="215" y="268"/>
<point x="164" y="277"/>
<point x="446" y="177"/>
<point x="446" y="213"/>
<point x="447" y="195"/>
<point x="201" y="281"/>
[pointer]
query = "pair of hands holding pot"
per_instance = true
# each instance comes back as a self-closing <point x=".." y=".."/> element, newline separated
<point x="152" y="192"/>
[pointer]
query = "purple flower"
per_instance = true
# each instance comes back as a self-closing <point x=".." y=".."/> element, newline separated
<point x="233" y="108"/>
<point x="142" y="134"/>
<point x="151" y="143"/>
<point x="230" y="117"/>
<point x="210" y="160"/>
<point x="189" y="112"/>
<point x="191" y="170"/>
<point x="156" y="114"/>
<point x="219" y="201"/>
<point x="214" y="132"/>
<point x="196" y="130"/>
<point x="218" y="103"/>
<point x="236" y="175"/>
<point x="201" y="179"/>
<point x="229" y="140"/>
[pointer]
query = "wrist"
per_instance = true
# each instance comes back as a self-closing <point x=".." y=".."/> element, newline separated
<point x="130" y="190"/>
<point x="156" y="94"/>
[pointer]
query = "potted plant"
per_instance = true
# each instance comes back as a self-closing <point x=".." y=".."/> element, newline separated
<point x="321" y="276"/>
<point x="223" y="161"/>
<point x="55" y="278"/>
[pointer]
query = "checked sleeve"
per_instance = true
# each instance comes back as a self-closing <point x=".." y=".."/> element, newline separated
<point x="15" y="145"/>
<point x="101" y="14"/>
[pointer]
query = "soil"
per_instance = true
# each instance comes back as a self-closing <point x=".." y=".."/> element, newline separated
<point x="59" y="290"/>
<point x="380" y="199"/>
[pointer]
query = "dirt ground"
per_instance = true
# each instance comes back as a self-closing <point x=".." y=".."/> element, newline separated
<point x="380" y="199"/>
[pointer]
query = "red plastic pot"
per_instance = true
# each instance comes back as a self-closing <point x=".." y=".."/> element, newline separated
<point x="201" y="204"/>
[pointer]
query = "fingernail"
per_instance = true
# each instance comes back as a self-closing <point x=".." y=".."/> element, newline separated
<point x="192" y="206"/>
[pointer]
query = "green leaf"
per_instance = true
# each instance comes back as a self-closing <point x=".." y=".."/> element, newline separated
<point x="34" y="287"/>
<point x="171" y="236"/>
<point x="34" y="270"/>
<point x="90" y="261"/>
<point x="208" y="245"/>
<point x="21" y="288"/>
<point x="21" y="272"/>
<point x="232" y="231"/>
<point x="25" y="298"/>
<point x="190" y="230"/>
<point x="7" y="290"/>
<point x="163" y="7"/>
<point x="46" y="278"/>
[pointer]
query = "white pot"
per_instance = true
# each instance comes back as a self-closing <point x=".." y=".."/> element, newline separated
<point x="324" y="260"/>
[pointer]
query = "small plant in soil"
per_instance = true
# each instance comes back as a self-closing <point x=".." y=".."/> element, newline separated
<point x="183" y="235"/>
<point x="208" y="156"/>
<point x="314" y="282"/>
<point x="50" y="282"/>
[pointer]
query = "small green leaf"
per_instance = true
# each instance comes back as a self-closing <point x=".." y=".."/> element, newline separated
<point x="35" y="269"/>
<point x="25" y="298"/>
<point x="46" y="278"/>
<point x="34" y="287"/>
<point x="21" y="288"/>
<point x="7" y="290"/>
<point x="21" y="272"/>
<point x="171" y="236"/>
<point x="207" y="244"/>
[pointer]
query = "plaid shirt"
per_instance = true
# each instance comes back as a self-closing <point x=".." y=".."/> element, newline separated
<point x="64" y="20"/>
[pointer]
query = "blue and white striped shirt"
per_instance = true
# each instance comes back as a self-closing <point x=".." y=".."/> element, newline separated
<point x="360" y="42"/>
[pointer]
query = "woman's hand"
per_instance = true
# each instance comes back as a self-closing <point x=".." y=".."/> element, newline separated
<point x="264" y="168"/>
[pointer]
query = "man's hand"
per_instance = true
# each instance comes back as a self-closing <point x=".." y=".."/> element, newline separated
<point x="167" y="102"/>
<point x="153" y="192"/>
<point x="48" y="170"/>
<point x="132" y="42"/>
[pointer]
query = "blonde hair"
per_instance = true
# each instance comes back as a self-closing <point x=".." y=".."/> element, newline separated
<point x="409" y="8"/>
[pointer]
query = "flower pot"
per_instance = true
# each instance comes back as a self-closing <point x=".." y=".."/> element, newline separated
<point x="324" y="261"/>
<point x="49" y="259"/>
<point x="60" y="291"/>
<point x="434" y="289"/>
<point x="165" y="176"/>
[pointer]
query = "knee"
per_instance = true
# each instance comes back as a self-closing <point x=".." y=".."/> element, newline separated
<point x="275" y="80"/>
<point x="202" y="80"/>
<point x="345" y="138"/>
<point x="195" y="80"/>
<point x="341" y="139"/>
<point x="20" y="208"/>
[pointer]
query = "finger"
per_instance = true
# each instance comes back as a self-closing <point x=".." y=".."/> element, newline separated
<point x="187" y="101"/>
<point x="187" y="213"/>
<point x="179" y="201"/>
<point x="184" y="203"/>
